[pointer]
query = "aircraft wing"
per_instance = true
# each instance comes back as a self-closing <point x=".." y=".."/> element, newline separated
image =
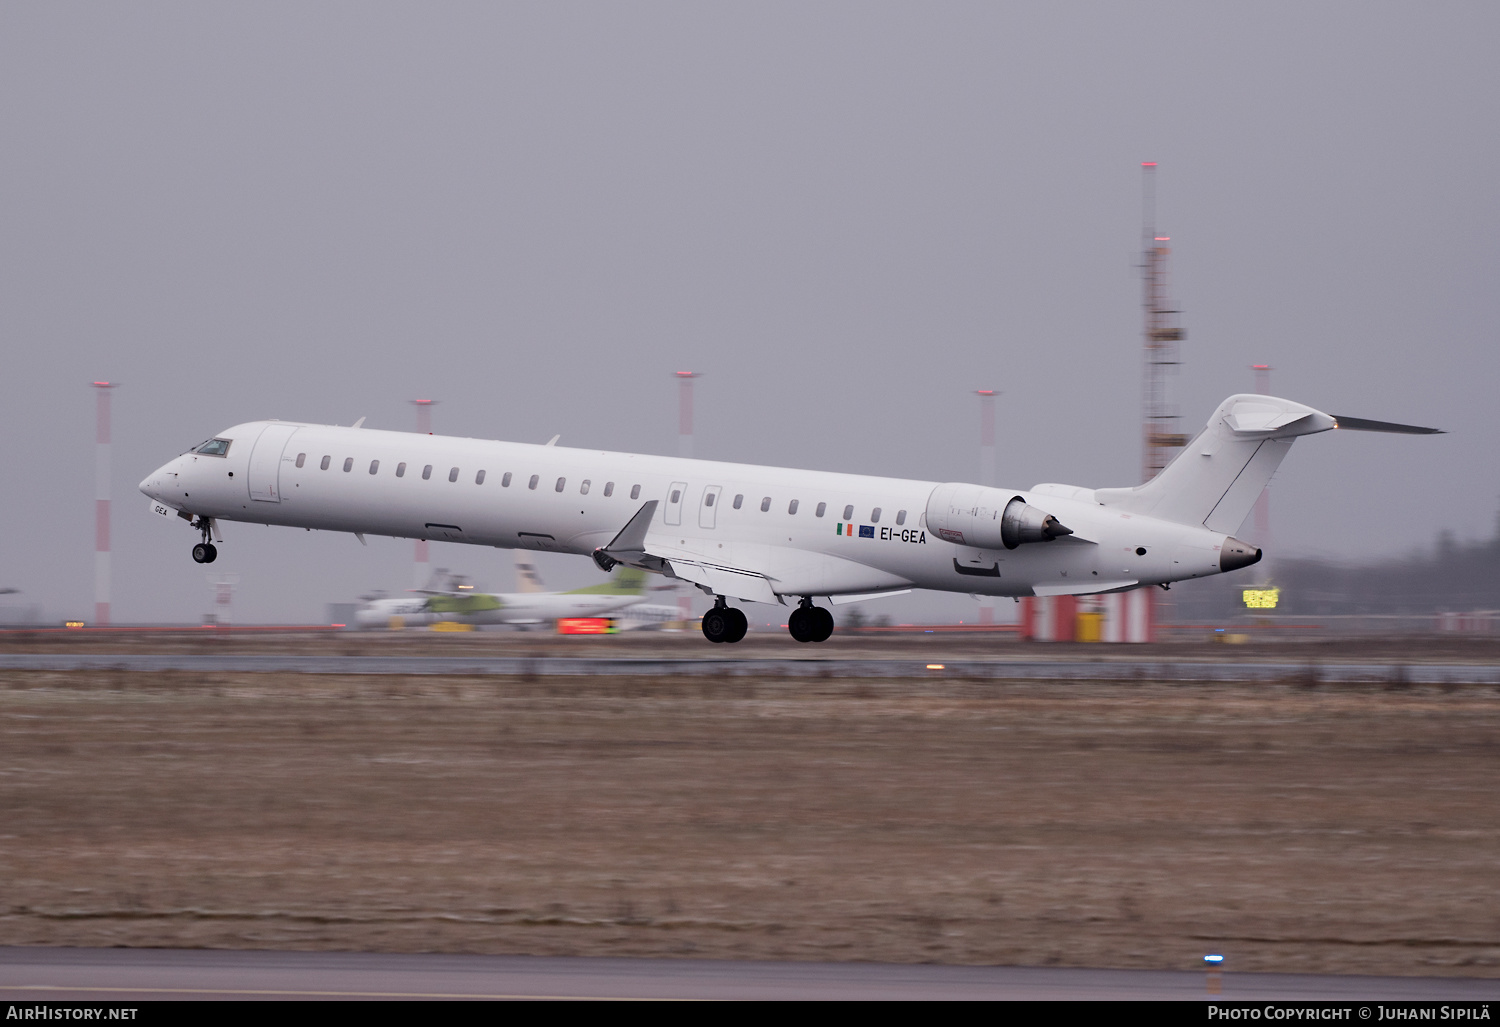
<point x="1082" y="588"/>
<point x="725" y="580"/>
<point x="754" y="572"/>
<point x="763" y="573"/>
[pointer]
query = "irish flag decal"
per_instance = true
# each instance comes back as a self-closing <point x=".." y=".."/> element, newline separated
<point x="844" y="529"/>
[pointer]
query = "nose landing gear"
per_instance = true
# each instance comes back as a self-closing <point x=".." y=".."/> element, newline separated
<point x="205" y="551"/>
<point x="809" y="623"/>
<point x="724" y="623"/>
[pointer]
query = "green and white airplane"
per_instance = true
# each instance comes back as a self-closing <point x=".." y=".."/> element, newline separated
<point x="460" y="603"/>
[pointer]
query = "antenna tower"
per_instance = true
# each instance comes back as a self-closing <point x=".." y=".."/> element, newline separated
<point x="1160" y="437"/>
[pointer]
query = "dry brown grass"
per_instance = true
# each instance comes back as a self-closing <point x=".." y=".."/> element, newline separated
<point x="1304" y="829"/>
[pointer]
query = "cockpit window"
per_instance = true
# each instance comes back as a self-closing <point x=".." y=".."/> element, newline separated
<point x="215" y="447"/>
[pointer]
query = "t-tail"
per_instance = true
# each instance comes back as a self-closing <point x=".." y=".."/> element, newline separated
<point x="1217" y="477"/>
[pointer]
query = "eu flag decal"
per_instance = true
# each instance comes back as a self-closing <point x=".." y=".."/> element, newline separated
<point x="866" y="531"/>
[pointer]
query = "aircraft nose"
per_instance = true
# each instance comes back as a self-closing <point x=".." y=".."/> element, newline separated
<point x="155" y="483"/>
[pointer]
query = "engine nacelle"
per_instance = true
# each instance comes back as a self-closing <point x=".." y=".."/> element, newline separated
<point x="986" y="518"/>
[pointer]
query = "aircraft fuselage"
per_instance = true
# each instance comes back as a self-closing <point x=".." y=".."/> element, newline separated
<point x="805" y="533"/>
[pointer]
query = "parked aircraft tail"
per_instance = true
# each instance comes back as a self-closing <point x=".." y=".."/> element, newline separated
<point x="527" y="578"/>
<point x="1219" y="475"/>
<point x="626" y="581"/>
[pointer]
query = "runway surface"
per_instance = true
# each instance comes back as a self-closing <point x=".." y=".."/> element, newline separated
<point x="38" y="974"/>
<point x="1057" y="670"/>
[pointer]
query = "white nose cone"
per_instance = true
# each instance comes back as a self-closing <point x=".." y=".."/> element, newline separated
<point x="155" y="483"/>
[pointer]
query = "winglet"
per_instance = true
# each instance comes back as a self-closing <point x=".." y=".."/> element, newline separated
<point x="632" y="537"/>
<point x="553" y="440"/>
<point x="358" y="424"/>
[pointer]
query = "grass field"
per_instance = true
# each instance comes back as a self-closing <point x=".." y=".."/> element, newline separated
<point x="1350" y="830"/>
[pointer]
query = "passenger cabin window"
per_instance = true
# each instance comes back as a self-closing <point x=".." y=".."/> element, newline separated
<point x="583" y="489"/>
<point x="708" y="499"/>
<point x="401" y="469"/>
<point x="900" y="517"/>
<point x="739" y="500"/>
<point x="849" y="512"/>
<point x="635" y="492"/>
<point x="875" y="516"/>
<point x="348" y="464"/>
<point x="324" y="464"/>
<point x="534" y="479"/>
<point x="479" y="478"/>
<point x="427" y="472"/>
<point x="301" y="459"/>
<point x="374" y="466"/>
<point x="821" y="510"/>
<point x="505" y="480"/>
<point x="791" y="507"/>
<point x="765" y="504"/>
<point x="561" y="483"/>
<point x="215" y="447"/>
<point x="609" y="489"/>
<point x="453" y="474"/>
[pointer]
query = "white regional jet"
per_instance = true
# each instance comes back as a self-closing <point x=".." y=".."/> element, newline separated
<point x="739" y="531"/>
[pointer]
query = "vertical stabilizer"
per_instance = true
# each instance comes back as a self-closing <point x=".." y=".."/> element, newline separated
<point x="1215" y="480"/>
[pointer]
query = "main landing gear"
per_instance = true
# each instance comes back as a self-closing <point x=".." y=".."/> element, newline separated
<point x="205" y="551"/>
<point x="724" y="623"/>
<point x="809" y="623"/>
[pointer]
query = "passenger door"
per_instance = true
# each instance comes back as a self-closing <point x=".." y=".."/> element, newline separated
<point x="264" y="476"/>
<point x="708" y="510"/>
<point x="675" y="496"/>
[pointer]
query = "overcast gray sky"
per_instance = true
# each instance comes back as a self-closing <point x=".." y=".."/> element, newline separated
<point x="846" y="214"/>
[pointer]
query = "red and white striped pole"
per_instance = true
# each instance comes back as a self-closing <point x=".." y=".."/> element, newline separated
<point x="685" y="448"/>
<point x="685" y="411"/>
<point x="419" y="571"/>
<point x="986" y="471"/>
<point x="101" y="503"/>
<point x="986" y="435"/>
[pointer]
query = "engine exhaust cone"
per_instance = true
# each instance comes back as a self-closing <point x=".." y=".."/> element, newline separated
<point x="1236" y="554"/>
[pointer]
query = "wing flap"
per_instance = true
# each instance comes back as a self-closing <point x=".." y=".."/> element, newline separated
<point x="726" y="581"/>
<point x="1080" y="588"/>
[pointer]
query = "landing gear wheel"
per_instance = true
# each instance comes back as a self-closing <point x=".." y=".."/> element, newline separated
<point x="738" y="625"/>
<point x="809" y="623"/>
<point x="205" y="552"/>
<point x="717" y="624"/>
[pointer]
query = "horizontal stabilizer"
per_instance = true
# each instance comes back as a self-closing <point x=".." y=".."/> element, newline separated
<point x="1360" y="424"/>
